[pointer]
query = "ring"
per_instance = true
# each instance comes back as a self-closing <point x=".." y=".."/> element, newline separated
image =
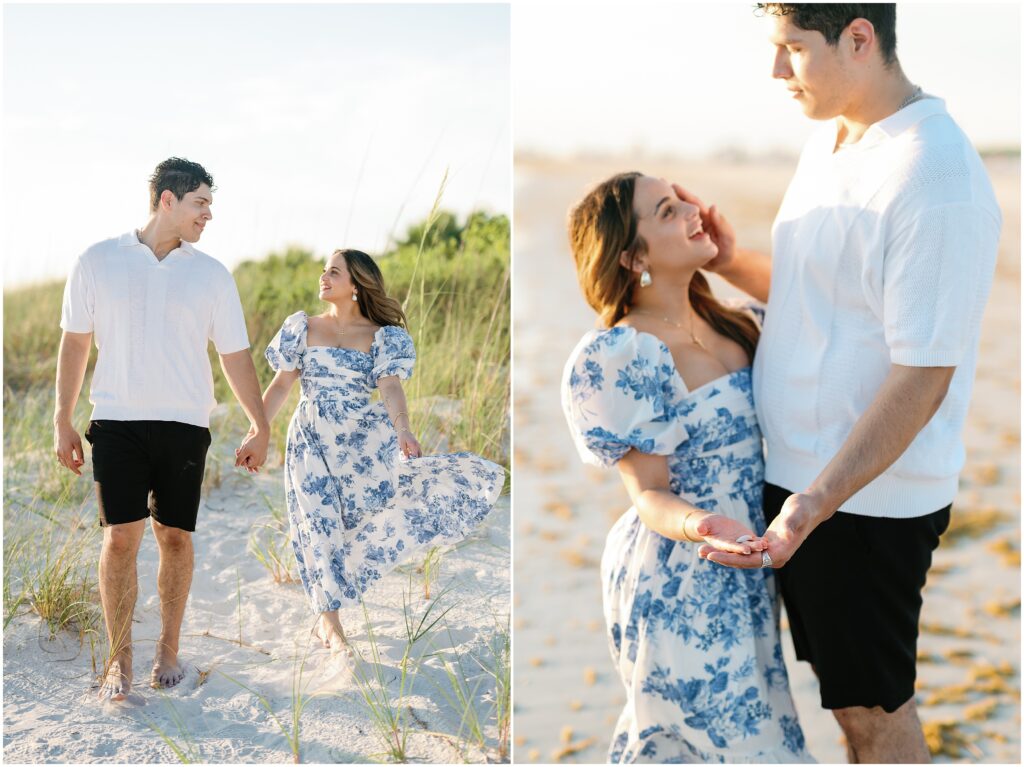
<point x="744" y="538"/>
<point x="766" y="560"/>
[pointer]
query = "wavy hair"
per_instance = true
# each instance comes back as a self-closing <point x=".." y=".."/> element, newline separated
<point x="374" y="302"/>
<point x="602" y="226"/>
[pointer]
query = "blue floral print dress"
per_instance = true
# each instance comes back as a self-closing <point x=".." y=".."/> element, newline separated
<point x="696" y="644"/>
<point x="356" y="508"/>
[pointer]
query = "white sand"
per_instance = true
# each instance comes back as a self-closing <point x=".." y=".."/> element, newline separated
<point x="50" y="711"/>
<point x="566" y="692"/>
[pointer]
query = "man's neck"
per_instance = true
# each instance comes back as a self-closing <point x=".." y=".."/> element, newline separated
<point x="158" y="239"/>
<point x="879" y="99"/>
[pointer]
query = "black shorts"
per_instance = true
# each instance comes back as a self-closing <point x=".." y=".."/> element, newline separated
<point x="145" y="468"/>
<point x="853" y="596"/>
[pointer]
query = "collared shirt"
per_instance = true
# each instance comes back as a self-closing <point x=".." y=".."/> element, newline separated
<point x="152" y="321"/>
<point x="883" y="254"/>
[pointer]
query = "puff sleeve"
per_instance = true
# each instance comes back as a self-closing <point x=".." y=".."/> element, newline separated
<point x="287" y="348"/>
<point x="393" y="353"/>
<point x="619" y="393"/>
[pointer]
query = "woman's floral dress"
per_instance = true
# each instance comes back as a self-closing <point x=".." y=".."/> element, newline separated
<point x="356" y="509"/>
<point x="696" y="644"/>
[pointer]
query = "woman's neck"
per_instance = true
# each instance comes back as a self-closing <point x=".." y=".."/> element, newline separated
<point x="343" y="311"/>
<point x="665" y="299"/>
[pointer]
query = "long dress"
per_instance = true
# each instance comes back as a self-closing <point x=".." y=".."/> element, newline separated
<point x="356" y="509"/>
<point x="696" y="644"/>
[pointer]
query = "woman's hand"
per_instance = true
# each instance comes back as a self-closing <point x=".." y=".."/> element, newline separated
<point x="717" y="227"/>
<point x="408" y="445"/>
<point x="721" y="533"/>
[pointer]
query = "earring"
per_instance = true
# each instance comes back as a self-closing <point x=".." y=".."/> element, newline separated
<point x="355" y="296"/>
<point x="645" y="278"/>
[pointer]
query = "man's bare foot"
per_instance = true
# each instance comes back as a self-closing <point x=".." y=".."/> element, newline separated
<point x="117" y="683"/>
<point x="167" y="672"/>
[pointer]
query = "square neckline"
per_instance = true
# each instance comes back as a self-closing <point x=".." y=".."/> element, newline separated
<point x="675" y="368"/>
<point x="305" y="335"/>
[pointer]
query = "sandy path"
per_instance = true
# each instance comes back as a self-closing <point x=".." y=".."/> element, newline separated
<point x="50" y="714"/>
<point x="567" y="698"/>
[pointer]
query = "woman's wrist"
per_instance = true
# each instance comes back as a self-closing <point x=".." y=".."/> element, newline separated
<point x="691" y="519"/>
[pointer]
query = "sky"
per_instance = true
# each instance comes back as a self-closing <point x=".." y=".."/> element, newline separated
<point x="324" y="126"/>
<point x="691" y="79"/>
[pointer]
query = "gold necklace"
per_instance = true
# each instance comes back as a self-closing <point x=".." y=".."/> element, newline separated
<point x="663" y="318"/>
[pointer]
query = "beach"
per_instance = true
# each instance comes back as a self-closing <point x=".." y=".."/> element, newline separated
<point x="257" y="687"/>
<point x="567" y="696"/>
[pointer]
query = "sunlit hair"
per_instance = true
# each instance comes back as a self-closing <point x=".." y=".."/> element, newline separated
<point x="603" y="226"/>
<point x="374" y="302"/>
<point x="180" y="176"/>
<point x="832" y="18"/>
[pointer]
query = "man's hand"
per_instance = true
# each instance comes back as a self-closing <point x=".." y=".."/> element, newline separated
<point x="252" y="453"/>
<point x="800" y="514"/>
<point x="717" y="227"/>
<point x="68" y="447"/>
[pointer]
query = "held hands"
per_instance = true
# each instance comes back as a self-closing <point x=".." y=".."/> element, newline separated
<point x="800" y="514"/>
<point x="720" y="534"/>
<point x="253" y="451"/>
<point x="716" y="225"/>
<point x="68" y="447"/>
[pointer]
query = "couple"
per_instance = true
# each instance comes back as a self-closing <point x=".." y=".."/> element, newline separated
<point x="154" y="302"/>
<point x="883" y="255"/>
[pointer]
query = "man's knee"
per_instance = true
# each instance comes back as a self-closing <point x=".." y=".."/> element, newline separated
<point x="172" y="540"/>
<point x="122" y="541"/>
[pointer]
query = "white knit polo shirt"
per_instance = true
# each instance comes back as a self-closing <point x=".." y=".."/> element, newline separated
<point x="882" y="253"/>
<point x="152" y="323"/>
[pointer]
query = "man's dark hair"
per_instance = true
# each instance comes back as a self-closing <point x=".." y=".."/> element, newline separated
<point x="832" y="18"/>
<point x="180" y="176"/>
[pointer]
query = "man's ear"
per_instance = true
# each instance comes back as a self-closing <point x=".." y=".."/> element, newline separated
<point x="167" y="198"/>
<point x="862" y="38"/>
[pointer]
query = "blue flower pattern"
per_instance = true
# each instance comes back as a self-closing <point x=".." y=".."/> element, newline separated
<point x="356" y="509"/>
<point x="696" y="644"/>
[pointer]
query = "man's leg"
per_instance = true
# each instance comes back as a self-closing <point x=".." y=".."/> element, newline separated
<point x="119" y="588"/>
<point x="173" y="583"/>
<point x="875" y="737"/>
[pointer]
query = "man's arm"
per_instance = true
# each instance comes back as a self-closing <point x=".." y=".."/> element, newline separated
<point x="241" y="375"/>
<point x="906" y="401"/>
<point x="72" y="359"/>
<point x="748" y="270"/>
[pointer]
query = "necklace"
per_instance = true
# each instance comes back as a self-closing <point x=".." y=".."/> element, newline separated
<point x="915" y="95"/>
<point x="663" y="318"/>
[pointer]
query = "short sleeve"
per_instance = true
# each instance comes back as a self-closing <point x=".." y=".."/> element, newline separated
<point x="76" y="311"/>
<point x="394" y="353"/>
<point x="936" y="278"/>
<point x="619" y="393"/>
<point x="227" y="330"/>
<point x="289" y="345"/>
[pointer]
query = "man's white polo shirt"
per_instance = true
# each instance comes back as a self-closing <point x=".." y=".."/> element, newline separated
<point x="882" y="254"/>
<point x="152" y="322"/>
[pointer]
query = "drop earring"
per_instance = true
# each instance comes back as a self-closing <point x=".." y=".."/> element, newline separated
<point x="355" y="296"/>
<point x="645" y="278"/>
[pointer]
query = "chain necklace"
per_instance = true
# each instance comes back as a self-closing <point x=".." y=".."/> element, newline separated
<point x="679" y="325"/>
<point x="915" y="95"/>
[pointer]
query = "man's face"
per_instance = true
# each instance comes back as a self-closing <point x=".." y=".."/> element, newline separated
<point x="814" y="71"/>
<point x="191" y="212"/>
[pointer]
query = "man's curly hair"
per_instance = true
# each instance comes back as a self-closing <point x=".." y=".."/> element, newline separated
<point x="180" y="176"/>
<point x="832" y="18"/>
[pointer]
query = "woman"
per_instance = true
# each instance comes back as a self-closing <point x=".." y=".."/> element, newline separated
<point x="663" y="391"/>
<point x="355" y="510"/>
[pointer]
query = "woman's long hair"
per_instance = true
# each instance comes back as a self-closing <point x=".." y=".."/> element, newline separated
<point x="374" y="302"/>
<point x="602" y="226"/>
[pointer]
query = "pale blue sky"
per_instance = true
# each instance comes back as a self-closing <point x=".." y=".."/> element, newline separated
<point x="691" y="78"/>
<point x="323" y="125"/>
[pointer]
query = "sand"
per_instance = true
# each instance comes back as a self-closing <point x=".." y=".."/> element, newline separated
<point x="566" y="695"/>
<point x="50" y="709"/>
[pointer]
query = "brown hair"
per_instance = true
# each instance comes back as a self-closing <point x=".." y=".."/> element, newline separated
<point x="602" y="226"/>
<point x="374" y="302"/>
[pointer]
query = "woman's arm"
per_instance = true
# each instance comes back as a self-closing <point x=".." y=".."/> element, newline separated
<point x="277" y="391"/>
<point x="646" y="479"/>
<point x="393" y="396"/>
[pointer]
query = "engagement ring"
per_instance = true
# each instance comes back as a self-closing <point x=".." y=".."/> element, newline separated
<point x="766" y="560"/>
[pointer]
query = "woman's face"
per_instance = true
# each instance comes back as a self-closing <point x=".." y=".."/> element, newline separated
<point x="335" y="281"/>
<point x="671" y="229"/>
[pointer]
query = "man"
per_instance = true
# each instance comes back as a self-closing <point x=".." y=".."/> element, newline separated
<point x="883" y="255"/>
<point x="153" y="302"/>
